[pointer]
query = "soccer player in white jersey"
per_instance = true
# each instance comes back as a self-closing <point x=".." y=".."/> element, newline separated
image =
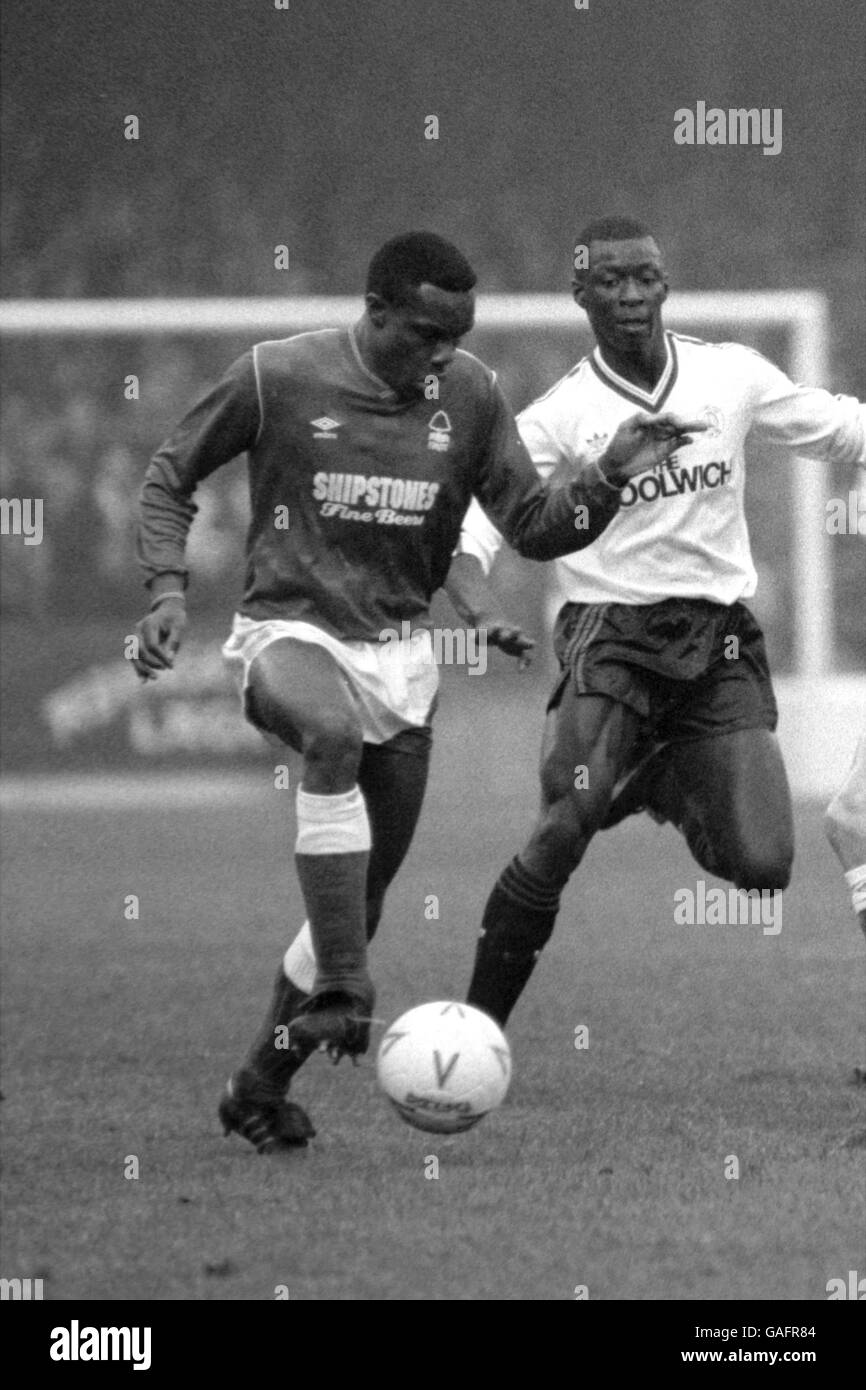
<point x="664" y="702"/>
<point x="365" y="447"/>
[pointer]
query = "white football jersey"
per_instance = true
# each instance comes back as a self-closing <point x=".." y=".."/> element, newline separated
<point x="681" y="528"/>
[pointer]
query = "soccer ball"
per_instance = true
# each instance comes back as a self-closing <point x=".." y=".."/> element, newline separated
<point x="443" y="1066"/>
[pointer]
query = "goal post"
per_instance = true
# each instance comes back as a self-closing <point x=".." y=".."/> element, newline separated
<point x="802" y="314"/>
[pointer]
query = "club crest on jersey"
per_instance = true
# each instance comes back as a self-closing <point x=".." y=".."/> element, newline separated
<point x="439" y="437"/>
<point x="715" y="420"/>
<point x="325" y="427"/>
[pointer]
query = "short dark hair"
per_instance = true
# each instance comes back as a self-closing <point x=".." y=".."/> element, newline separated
<point x="607" y="229"/>
<point x="418" y="258"/>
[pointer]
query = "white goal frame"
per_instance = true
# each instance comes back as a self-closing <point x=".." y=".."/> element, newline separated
<point x="804" y="314"/>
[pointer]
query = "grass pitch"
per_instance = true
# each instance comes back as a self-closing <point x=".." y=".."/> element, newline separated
<point x="606" y="1166"/>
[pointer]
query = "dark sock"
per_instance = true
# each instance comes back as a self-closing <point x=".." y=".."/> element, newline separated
<point x="270" y="1065"/>
<point x="332" y="856"/>
<point x="334" y="887"/>
<point x="517" y="924"/>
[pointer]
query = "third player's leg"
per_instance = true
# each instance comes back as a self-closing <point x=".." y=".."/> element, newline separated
<point x="845" y="818"/>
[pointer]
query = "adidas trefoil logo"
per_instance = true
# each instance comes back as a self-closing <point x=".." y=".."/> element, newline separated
<point x="595" y="445"/>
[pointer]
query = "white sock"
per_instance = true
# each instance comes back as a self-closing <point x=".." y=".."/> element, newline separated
<point x="332" y="824"/>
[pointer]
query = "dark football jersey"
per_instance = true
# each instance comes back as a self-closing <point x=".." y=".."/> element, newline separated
<point x="357" y="495"/>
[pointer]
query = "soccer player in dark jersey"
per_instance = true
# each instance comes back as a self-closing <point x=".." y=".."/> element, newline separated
<point x="664" y="702"/>
<point x="365" y="448"/>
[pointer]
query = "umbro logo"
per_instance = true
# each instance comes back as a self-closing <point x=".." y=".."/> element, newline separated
<point x="325" y="427"/>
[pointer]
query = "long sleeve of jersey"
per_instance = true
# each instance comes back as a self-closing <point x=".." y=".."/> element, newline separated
<point x="806" y="419"/>
<point x="222" y="425"/>
<point x="539" y="522"/>
<point x="478" y="535"/>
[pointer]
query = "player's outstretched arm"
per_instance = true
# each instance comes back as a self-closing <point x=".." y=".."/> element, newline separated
<point x="645" y="441"/>
<point x="544" y="523"/>
<point x="476" y="602"/>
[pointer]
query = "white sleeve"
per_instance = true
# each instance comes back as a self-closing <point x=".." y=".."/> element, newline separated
<point x="544" y="449"/>
<point x="810" y="421"/>
<point x="479" y="537"/>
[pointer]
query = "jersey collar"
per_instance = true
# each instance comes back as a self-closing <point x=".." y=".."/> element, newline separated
<point x="383" y="390"/>
<point x="648" y="400"/>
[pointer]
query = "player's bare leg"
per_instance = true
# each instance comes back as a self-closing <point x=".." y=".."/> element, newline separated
<point x="845" y="826"/>
<point x="588" y="742"/>
<point x="297" y="692"/>
<point x="392" y="778"/>
<point x="729" y="795"/>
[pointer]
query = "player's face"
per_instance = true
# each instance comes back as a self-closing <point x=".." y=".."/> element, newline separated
<point x="623" y="293"/>
<point x="412" y="341"/>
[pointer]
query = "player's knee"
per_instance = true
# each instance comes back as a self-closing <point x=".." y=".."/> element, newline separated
<point x="333" y="742"/>
<point x="766" y="869"/>
<point x="573" y="794"/>
<point x="566" y="825"/>
<point x="267" y="704"/>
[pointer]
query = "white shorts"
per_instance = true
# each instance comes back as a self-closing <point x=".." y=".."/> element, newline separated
<point x="393" y="685"/>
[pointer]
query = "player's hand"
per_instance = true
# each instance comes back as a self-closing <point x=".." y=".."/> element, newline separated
<point x="644" y="441"/>
<point x="159" y="637"/>
<point x="510" y="639"/>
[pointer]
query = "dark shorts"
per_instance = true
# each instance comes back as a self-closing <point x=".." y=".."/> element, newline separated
<point x="689" y="668"/>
